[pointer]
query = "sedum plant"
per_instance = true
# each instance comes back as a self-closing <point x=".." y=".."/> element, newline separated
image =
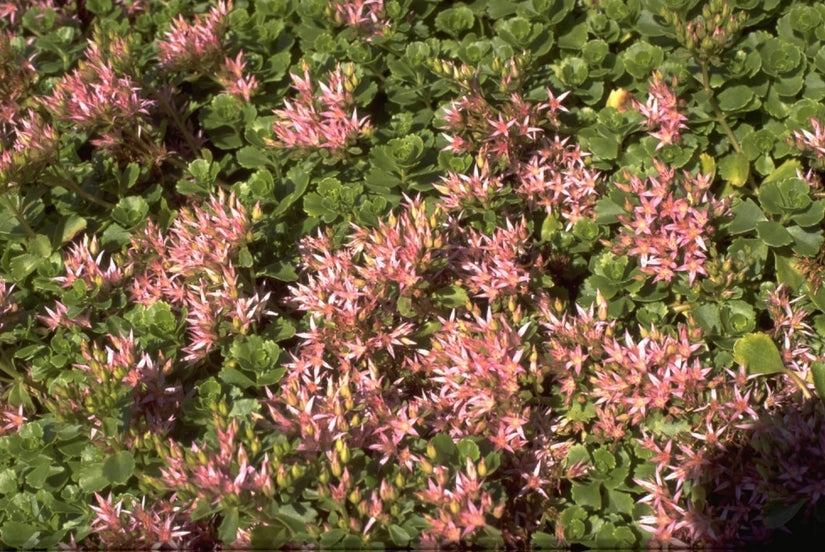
<point x="408" y="274"/>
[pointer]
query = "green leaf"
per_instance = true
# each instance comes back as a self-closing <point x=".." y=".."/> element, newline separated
<point x="269" y="537"/>
<point x="758" y="353"/>
<point x="251" y="157"/>
<point x="399" y="535"/>
<point x="228" y="529"/>
<point x="119" y="467"/>
<point x="777" y="514"/>
<point x="467" y="448"/>
<point x="233" y="376"/>
<point x="99" y="7"/>
<point x="444" y="446"/>
<point x="786" y="271"/>
<point x="735" y="97"/>
<point x="130" y="211"/>
<point x="91" y="478"/>
<point x="746" y="215"/>
<point x="735" y="168"/>
<point x="786" y="170"/>
<point x="620" y="502"/>
<point x="451" y="296"/>
<point x="18" y="535"/>
<point x="812" y="215"/>
<point x="70" y="227"/>
<point x="587" y="494"/>
<point x="577" y="454"/>
<point x="807" y="243"/>
<point x="818" y="376"/>
<point x="544" y="541"/>
<point x="603" y="460"/>
<point x="22" y="265"/>
<point x="332" y="537"/>
<point x="8" y="482"/>
<point x="773" y="233"/>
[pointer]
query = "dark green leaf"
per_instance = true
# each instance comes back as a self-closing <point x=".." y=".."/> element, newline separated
<point x="228" y="529"/>
<point x="746" y="215"/>
<point x="777" y="514"/>
<point x="587" y="494"/>
<point x="773" y="233"/>
<point x="818" y="376"/>
<point x="735" y="97"/>
<point x="451" y="296"/>
<point x="807" y="243"/>
<point x="252" y="158"/>
<point x="119" y="467"/>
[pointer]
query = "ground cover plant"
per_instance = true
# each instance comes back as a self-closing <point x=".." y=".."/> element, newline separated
<point x="410" y="273"/>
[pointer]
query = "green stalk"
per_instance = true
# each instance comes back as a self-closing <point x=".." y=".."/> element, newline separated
<point x="19" y="216"/>
<point x="717" y="112"/>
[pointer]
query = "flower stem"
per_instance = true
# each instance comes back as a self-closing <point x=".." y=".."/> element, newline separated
<point x="72" y="186"/>
<point x="717" y="112"/>
<point x="19" y="216"/>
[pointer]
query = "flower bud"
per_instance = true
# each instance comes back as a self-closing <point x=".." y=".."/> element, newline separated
<point x="431" y="452"/>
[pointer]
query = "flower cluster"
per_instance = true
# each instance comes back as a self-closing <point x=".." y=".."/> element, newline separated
<point x="556" y="178"/>
<point x="8" y="305"/>
<point x="813" y="140"/>
<point x="232" y="77"/>
<point x="134" y="525"/>
<point x="196" y="46"/>
<point x="668" y="222"/>
<point x="96" y="97"/>
<point x="549" y="173"/>
<point x="662" y="112"/>
<point x="365" y="16"/>
<point x="362" y="380"/>
<point x="119" y="383"/>
<point x="218" y="473"/>
<point x="497" y="134"/>
<point x="323" y="118"/>
<point x="191" y="267"/>
<point x="30" y="144"/>
<point x="462" y="508"/>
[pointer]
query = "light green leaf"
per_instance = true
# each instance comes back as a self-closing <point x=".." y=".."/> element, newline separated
<point x="735" y="168"/>
<point x="758" y="353"/>
<point x="468" y="448"/>
<point x="399" y="536"/>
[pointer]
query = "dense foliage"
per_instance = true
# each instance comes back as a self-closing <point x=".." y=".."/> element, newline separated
<point x="411" y="273"/>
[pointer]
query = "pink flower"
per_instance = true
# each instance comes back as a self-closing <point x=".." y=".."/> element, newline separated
<point x="365" y="16"/>
<point x="661" y="112"/>
<point x="197" y="45"/>
<point x="235" y="82"/>
<point x="322" y="117"/>
<point x="812" y="140"/>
